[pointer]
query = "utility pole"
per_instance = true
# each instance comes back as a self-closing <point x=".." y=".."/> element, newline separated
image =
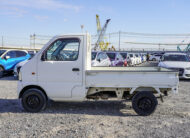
<point x="2" y="41"/>
<point x="30" y="41"/>
<point x="159" y="46"/>
<point x="34" y="37"/>
<point x="119" y="39"/>
<point x="82" y="27"/>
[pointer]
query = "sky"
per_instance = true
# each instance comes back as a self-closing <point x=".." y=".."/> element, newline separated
<point x="51" y="17"/>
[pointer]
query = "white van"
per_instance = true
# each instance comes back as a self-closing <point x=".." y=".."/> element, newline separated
<point x="133" y="59"/>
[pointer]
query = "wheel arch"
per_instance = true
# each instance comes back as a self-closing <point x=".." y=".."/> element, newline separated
<point x="30" y="87"/>
<point x="137" y="89"/>
<point x="2" y="66"/>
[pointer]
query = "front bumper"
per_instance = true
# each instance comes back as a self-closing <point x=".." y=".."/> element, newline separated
<point x="19" y="88"/>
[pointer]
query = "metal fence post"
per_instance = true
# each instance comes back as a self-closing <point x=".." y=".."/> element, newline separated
<point x="109" y="38"/>
<point x="119" y="40"/>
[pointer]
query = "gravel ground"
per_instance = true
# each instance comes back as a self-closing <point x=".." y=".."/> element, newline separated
<point x="94" y="119"/>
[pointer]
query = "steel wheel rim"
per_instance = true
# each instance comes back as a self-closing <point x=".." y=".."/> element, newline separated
<point x="33" y="101"/>
<point x="145" y="104"/>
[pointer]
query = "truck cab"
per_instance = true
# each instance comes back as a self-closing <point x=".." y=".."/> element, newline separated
<point x="62" y="71"/>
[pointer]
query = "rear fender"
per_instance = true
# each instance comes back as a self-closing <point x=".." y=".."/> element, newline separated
<point x="152" y="89"/>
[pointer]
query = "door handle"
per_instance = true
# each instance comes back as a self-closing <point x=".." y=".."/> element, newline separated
<point x="75" y="69"/>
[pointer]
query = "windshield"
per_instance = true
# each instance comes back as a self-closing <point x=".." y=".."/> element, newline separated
<point x="2" y="51"/>
<point x="131" y="55"/>
<point x="94" y="55"/>
<point x="111" y="56"/>
<point x="183" y="58"/>
<point x="124" y="55"/>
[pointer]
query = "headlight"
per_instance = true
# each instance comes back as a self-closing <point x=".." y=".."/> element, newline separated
<point x="188" y="68"/>
<point x="20" y="76"/>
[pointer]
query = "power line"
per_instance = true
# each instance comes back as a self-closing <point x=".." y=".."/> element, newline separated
<point x="146" y="43"/>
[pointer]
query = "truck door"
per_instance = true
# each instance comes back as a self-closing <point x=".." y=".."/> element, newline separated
<point x="60" y="68"/>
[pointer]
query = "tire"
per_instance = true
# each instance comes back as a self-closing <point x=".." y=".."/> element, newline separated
<point x="1" y="71"/>
<point x="34" y="100"/>
<point x="144" y="103"/>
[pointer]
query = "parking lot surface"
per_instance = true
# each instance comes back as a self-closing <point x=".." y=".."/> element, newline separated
<point x="93" y="119"/>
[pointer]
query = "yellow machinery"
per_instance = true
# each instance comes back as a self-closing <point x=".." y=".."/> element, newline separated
<point x="101" y="32"/>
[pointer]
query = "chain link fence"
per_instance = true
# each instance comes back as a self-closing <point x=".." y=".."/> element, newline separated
<point x="121" y="41"/>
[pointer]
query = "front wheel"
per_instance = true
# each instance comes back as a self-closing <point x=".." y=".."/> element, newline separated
<point x="34" y="100"/>
<point x="144" y="103"/>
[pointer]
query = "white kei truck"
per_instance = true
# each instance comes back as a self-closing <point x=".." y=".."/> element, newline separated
<point x="62" y="71"/>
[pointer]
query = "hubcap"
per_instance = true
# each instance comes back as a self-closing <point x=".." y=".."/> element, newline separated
<point x="33" y="101"/>
<point x="145" y="104"/>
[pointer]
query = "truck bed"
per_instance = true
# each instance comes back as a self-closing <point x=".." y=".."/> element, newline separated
<point x="129" y="69"/>
<point x="123" y="77"/>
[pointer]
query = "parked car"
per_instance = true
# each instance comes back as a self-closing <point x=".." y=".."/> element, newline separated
<point x="116" y="59"/>
<point x="20" y="64"/>
<point x="177" y="62"/>
<point x="133" y="59"/>
<point x="9" y="58"/>
<point x="17" y="68"/>
<point x="155" y="57"/>
<point x="127" y="60"/>
<point x="32" y="52"/>
<point x="143" y="57"/>
<point x="138" y="58"/>
<point x="100" y="59"/>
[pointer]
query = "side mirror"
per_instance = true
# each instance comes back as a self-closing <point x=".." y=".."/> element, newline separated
<point x="7" y="57"/>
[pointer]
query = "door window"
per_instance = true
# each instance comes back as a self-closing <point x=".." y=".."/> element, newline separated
<point x="20" y="53"/>
<point x="11" y="54"/>
<point x="63" y="50"/>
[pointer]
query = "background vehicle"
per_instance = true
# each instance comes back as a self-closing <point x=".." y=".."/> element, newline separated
<point x="32" y="52"/>
<point x="143" y="57"/>
<point x="127" y="61"/>
<point x="49" y="75"/>
<point x="116" y="59"/>
<point x="138" y="58"/>
<point x="178" y="62"/>
<point x="20" y="64"/>
<point x="100" y="59"/>
<point x="133" y="59"/>
<point x="155" y="57"/>
<point x="18" y="67"/>
<point x="9" y="58"/>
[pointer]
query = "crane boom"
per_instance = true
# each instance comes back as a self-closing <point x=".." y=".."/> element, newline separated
<point x="98" y="24"/>
<point x="101" y="32"/>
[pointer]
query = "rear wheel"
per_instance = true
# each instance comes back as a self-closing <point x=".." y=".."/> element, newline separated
<point x="144" y="103"/>
<point x="1" y="72"/>
<point x="34" y="100"/>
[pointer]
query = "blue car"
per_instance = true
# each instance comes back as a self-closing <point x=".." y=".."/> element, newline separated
<point x="9" y="58"/>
